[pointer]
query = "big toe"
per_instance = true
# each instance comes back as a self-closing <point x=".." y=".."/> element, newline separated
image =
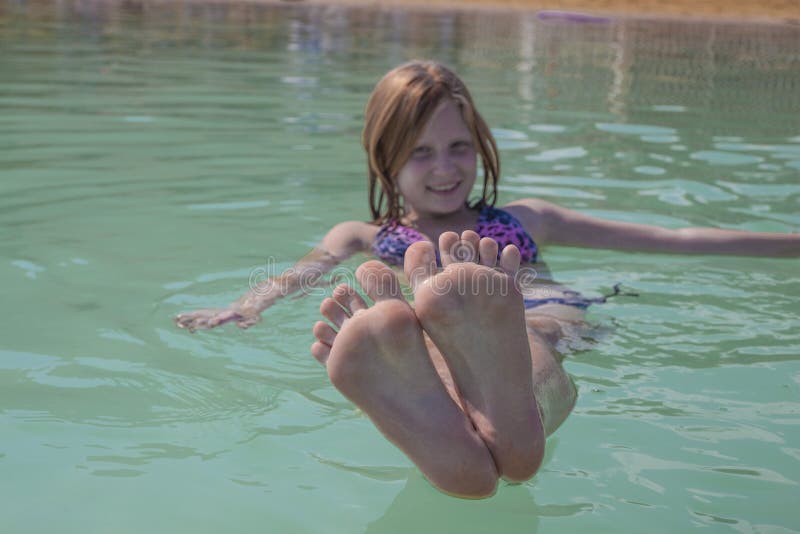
<point x="379" y="281"/>
<point x="419" y="263"/>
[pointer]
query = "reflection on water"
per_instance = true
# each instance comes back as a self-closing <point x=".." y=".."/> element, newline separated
<point x="153" y="156"/>
<point x="713" y="71"/>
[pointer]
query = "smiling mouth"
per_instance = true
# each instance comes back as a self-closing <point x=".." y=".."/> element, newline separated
<point x="444" y="188"/>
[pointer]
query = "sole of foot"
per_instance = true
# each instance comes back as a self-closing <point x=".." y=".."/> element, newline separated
<point x="475" y="315"/>
<point x="376" y="357"/>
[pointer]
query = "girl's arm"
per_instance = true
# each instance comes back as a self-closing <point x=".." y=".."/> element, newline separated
<point x="554" y="225"/>
<point x="341" y="242"/>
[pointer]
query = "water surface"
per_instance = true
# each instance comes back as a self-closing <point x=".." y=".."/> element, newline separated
<point x="151" y="158"/>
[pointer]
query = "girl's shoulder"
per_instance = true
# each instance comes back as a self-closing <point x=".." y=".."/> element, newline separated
<point x="534" y="215"/>
<point x="528" y="210"/>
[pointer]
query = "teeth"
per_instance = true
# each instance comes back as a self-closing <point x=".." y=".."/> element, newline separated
<point x="444" y="187"/>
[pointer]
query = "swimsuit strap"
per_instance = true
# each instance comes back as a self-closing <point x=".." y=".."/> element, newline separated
<point x="573" y="298"/>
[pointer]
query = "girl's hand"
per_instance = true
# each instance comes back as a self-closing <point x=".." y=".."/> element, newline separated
<point x="212" y="317"/>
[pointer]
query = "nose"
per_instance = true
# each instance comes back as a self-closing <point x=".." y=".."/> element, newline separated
<point x="444" y="164"/>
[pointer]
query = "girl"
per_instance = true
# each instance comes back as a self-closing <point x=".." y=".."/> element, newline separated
<point x="467" y="383"/>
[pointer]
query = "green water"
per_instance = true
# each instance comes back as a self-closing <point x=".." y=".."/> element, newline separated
<point x="151" y="158"/>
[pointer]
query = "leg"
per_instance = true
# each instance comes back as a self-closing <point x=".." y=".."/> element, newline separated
<point x="548" y="326"/>
<point x="474" y="315"/>
<point x="552" y="387"/>
<point x="379" y="361"/>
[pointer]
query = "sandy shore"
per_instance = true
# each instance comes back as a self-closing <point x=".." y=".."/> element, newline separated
<point x="779" y="10"/>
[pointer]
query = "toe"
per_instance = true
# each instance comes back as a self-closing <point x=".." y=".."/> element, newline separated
<point x="379" y="281"/>
<point x="448" y="243"/>
<point x="349" y="299"/>
<point x="334" y="312"/>
<point x="420" y="262"/>
<point x="320" y="352"/>
<point x="324" y="333"/>
<point x="467" y="250"/>
<point x="487" y="250"/>
<point x="509" y="260"/>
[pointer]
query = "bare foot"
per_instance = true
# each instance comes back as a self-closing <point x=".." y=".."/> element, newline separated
<point x="378" y="360"/>
<point x="475" y="315"/>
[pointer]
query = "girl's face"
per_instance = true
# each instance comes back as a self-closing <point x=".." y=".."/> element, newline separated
<point x="439" y="175"/>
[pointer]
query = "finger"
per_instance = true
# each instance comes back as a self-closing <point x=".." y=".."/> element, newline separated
<point x="183" y="320"/>
<point x="222" y="318"/>
<point x="248" y="321"/>
<point x="487" y="250"/>
<point x="195" y="324"/>
<point x="448" y="241"/>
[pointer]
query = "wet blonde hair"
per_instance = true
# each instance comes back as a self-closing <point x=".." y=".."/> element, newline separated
<point x="397" y="111"/>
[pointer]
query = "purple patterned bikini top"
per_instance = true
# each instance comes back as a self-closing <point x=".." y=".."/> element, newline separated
<point x="393" y="238"/>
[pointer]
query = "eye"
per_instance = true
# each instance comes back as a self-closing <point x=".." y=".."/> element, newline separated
<point x="421" y="152"/>
<point x="460" y="147"/>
